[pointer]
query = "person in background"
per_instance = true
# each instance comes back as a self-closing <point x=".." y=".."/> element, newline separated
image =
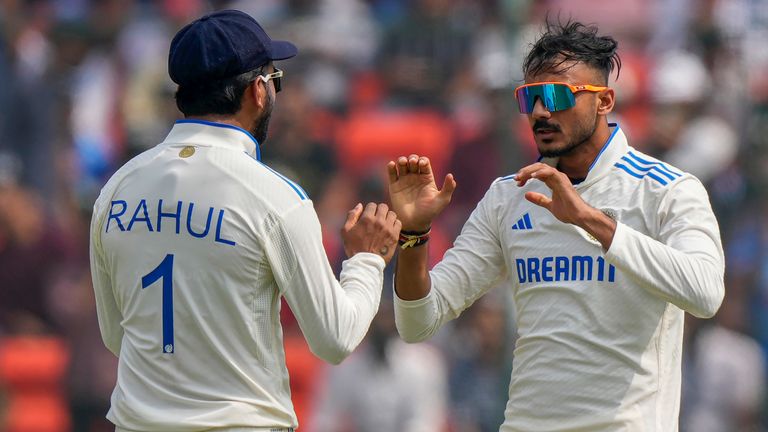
<point x="410" y="383"/>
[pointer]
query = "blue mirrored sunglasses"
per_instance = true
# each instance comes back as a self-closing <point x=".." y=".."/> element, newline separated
<point x="556" y="96"/>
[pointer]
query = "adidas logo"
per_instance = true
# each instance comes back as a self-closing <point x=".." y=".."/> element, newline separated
<point x="524" y="223"/>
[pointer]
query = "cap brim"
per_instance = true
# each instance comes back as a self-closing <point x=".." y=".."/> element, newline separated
<point x="282" y="50"/>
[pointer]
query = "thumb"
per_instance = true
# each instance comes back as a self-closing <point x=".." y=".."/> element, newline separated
<point x="449" y="185"/>
<point x="538" y="199"/>
<point x="353" y="216"/>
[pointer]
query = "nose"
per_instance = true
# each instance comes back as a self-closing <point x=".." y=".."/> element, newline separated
<point x="540" y="111"/>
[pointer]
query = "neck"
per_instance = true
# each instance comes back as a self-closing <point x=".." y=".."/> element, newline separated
<point x="218" y="118"/>
<point x="576" y="163"/>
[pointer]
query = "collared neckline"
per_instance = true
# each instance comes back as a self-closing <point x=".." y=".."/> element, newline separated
<point x="613" y="149"/>
<point x="213" y="133"/>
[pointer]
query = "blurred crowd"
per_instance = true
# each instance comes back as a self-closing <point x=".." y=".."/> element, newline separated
<point x="84" y="87"/>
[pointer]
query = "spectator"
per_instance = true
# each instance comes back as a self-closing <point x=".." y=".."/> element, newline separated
<point x="387" y="386"/>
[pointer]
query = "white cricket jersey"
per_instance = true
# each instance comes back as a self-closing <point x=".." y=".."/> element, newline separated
<point x="600" y="333"/>
<point x="193" y="243"/>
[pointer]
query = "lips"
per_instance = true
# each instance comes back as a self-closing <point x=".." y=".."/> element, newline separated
<point x="545" y="131"/>
<point x="542" y="127"/>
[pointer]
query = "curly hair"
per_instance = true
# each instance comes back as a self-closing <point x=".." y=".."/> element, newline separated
<point x="564" y="43"/>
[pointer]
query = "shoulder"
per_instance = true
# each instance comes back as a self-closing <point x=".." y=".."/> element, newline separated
<point x="266" y="183"/>
<point x="657" y="185"/>
<point x="638" y="167"/>
<point x="504" y="185"/>
<point x="505" y="190"/>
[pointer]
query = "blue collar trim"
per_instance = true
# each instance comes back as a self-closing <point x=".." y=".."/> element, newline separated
<point x="226" y="126"/>
<point x="605" y="146"/>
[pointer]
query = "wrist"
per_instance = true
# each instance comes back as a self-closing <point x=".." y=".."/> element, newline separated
<point x="416" y="227"/>
<point x="601" y="225"/>
<point x="410" y="239"/>
<point x="589" y="217"/>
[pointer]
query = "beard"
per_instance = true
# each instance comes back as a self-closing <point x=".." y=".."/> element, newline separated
<point x="260" y="126"/>
<point x="582" y="132"/>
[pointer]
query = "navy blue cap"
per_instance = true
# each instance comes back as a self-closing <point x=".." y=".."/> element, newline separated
<point x="221" y="45"/>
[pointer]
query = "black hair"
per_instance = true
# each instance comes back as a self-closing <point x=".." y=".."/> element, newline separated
<point x="572" y="41"/>
<point x="223" y="96"/>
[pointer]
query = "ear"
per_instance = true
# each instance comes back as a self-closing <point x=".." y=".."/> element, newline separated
<point x="258" y="92"/>
<point x="605" y="101"/>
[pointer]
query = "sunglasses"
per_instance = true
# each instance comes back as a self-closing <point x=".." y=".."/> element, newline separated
<point x="556" y="96"/>
<point x="275" y="76"/>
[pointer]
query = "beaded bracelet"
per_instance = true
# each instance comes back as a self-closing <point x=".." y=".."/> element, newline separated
<point x="409" y="239"/>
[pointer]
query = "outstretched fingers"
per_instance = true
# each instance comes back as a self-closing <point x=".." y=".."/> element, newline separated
<point x="539" y="199"/>
<point x="414" y="164"/>
<point x="549" y="175"/>
<point x="353" y="216"/>
<point x="449" y="186"/>
<point x="392" y="171"/>
<point x="424" y="165"/>
<point x="537" y="170"/>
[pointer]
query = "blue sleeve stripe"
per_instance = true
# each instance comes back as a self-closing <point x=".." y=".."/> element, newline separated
<point x="648" y="168"/>
<point x="657" y="178"/>
<point x="647" y="162"/>
<point x="294" y="186"/>
<point x="648" y="173"/>
<point x="627" y="170"/>
<point x="302" y="194"/>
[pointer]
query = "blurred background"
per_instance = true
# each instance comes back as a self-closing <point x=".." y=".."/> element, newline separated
<point x="84" y="87"/>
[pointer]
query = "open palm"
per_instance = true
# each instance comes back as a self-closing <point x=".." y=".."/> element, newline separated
<point x="413" y="193"/>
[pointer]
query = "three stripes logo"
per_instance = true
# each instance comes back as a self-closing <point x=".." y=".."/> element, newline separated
<point x="524" y="223"/>
<point x="639" y="167"/>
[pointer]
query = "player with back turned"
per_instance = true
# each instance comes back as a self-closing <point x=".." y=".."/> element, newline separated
<point x="605" y="249"/>
<point x="194" y="242"/>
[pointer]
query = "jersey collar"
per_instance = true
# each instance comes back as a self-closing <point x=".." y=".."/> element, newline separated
<point x="208" y="133"/>
<point x="612" y="150"/>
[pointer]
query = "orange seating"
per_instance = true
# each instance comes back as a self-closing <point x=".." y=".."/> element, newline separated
<point x="32" y="369"/>
<point x="367" y="140"/>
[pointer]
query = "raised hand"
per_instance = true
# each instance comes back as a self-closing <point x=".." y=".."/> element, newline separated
<point x="413" y="192"/>
<point x="566" y="204"/>
<point x="373" y="229"/>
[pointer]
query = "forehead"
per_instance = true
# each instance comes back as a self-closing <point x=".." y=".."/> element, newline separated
<point x="570" y="72"/>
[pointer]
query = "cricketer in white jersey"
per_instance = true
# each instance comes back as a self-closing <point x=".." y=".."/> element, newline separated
<point x="193" y="244"/>
<point x="599" y="332"/>
<point x="605" y="249"/>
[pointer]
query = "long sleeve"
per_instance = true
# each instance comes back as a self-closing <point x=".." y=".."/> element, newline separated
<point x="109" y="315"/>
<point x="469" y="269"/>
<point x="333" y="315"/>
<point x="685" y="266"/>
